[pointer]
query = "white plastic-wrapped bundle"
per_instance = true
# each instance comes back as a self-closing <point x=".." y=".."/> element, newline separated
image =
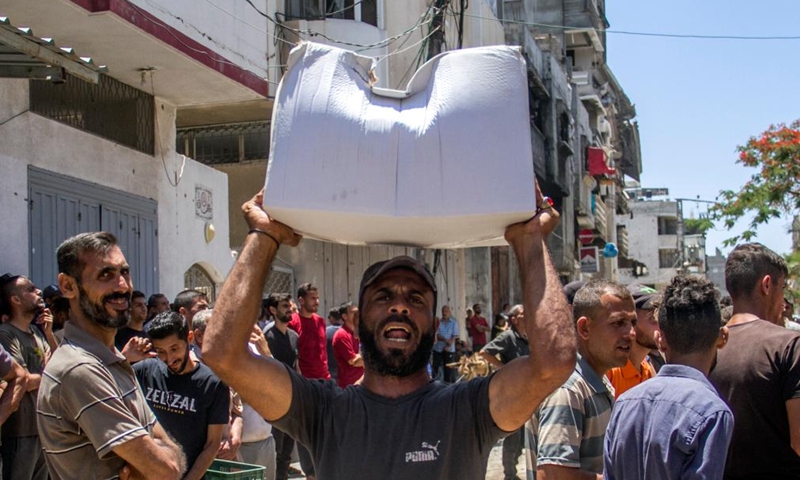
<point x="446" y="163"/>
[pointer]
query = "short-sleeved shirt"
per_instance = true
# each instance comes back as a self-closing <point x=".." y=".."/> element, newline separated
<point x="509" y="345"/>
<point x="31" y="350"/>
<point x="333" y="367"/>
<point x="125" y="334"/>
<point x="312" y="352"/>
<point x="283" y="346"/>
<point x="478" y="337"/>
<point x="448" y="328"/>
<point x="6" y="362"/>
<point x="756" y="373"/>
<point x="438" y="431"/>
<point x="345" y="348"/>
<point x="627" y="377"/>
<point x="185" y="405"/>
<point x="569" y="426"/>
<point x="89" y="403"/>
<point x="670" y="425"/>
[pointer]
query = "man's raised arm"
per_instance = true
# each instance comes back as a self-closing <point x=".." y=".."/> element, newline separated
<point x="518" y="388"/>
<point x="263" y="383"/>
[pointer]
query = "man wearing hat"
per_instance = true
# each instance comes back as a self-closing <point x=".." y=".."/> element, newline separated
<point x="50" y="294"/>
<point x="638" y="369"/>
<point x="397" y="424"/>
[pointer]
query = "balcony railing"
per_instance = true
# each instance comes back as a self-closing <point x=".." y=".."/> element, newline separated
<point x="600" y="217"/>
<point x="622" y="240"/>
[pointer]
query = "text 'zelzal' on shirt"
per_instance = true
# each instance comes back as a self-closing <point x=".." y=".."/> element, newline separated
<point x="168" y="400"/>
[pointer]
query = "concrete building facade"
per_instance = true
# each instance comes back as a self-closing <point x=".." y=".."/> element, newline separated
<point x="88" y="148"/>
<point x="208" y="71"/>
<point x="656" y="249"/>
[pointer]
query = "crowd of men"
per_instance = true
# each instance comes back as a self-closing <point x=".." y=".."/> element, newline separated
<point x="594" y="380"/>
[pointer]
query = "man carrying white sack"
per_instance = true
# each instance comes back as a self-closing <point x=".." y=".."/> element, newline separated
<point x="398" y="424"/>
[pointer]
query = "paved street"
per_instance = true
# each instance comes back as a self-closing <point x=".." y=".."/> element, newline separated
<point x="494" y="470"/>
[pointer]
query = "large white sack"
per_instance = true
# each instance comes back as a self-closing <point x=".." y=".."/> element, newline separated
<point x="447" y="163"/>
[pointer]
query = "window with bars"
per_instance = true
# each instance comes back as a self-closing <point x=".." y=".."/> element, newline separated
<point x="667" y="226"/>
<point x="360" y="10"/>
<point x="219" y="144"/>
<point x="667" y="258"/>
<point x="279" y="280"/>
<point x="110" y="109"/>
<point x="197" y="278"/>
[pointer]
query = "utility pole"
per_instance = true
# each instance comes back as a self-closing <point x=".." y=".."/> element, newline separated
<point x="437" y="29"/>
<point x="680" y="230"/>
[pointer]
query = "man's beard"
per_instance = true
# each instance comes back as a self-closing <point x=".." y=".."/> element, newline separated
<point x="646" y="342"/>
<point x="98" y="314"/>
<point x="183" y="363"/>
<point x="395" y="363"/>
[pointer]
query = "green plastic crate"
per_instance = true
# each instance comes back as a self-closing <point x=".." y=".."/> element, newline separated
<point x="224" y="469"/>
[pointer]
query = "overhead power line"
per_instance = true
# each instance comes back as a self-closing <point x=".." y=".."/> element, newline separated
<point x="644" y="34"/>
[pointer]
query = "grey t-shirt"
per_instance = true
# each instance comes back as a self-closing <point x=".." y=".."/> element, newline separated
<point x="438" y="432"/>
<point x="509" y="345"/>
<point x="31" y="350"/>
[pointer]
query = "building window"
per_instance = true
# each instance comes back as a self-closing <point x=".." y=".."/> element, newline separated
<point x="279" y="280"/>
<point x="221" y="144"/>
<point x="110" y="109"/>
<point x="668" y="258"/>
<point x="362" y="11"/>
<point x="667" y="226"/>
<point x="197" y="278"/>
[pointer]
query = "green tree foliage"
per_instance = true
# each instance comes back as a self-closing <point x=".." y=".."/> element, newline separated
<point x="697" y="226"/>
<point x="793" y="262"/>
<point x="774" y="190"/>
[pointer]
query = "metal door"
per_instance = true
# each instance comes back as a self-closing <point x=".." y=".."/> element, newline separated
<point x="62" y="206"/>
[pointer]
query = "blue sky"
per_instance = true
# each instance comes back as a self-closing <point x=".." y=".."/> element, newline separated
<point x="696" y="100"/>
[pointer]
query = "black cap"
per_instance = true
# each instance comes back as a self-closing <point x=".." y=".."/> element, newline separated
<point x="571" y="289"/>
<point x="377" y="269"/>
<point x="644" y="297"/>
<point x="51" y="291"/>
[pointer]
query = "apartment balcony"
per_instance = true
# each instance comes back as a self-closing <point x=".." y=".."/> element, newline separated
<point x="667" y="241"/>
<point x="540" y="156"/>
<point x="148" y="49"/>
<point x="583" y="199"/>
<point x="623" y="202"/>
<point x="631" y="161"/>
<point x="587" y="23"/>
<point x="622" y="240"/>
<point x="536" y="64"/>
<point x="600" y="212"/>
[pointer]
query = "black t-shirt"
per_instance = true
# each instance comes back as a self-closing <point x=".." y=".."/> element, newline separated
<point x="282" y="345"/>
<point x="439" y="431"/>
<point x="125" y="334"/>
<point x="509" y="345"/>
<point x="756" y="373"/>
<point x="185" y="405"/>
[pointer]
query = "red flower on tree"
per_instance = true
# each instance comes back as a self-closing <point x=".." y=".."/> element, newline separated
<point x="774" y="190"/>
